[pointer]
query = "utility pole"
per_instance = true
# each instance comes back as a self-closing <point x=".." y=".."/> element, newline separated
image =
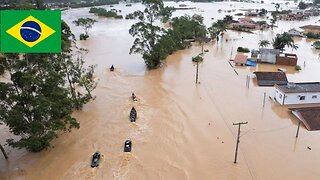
<point x="264" y="99"/>
<point x="197" y="72"/>
<point x="3" y="152"/>
<point x="297" y="134"/>
<point x="238" y="139"/>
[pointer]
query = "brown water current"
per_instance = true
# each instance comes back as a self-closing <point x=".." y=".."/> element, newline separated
<point x="183" y="130"/>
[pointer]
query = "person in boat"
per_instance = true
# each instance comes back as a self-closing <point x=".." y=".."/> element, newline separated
<point x="111" y="68"/>
<point x="134" y="97"/>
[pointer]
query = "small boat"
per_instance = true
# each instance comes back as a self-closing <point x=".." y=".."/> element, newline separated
<point x="95" y="159"/>
<point x="133" y="115"/>
<point x="111" y="68"/>
<point x="127" y="145"/>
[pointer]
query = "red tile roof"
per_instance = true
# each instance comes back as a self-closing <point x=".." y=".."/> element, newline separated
<point x="271" y="78"/>
<point x="311" y="27"/>
<point x="240" y="58"/>
<point x="309" y="116"/>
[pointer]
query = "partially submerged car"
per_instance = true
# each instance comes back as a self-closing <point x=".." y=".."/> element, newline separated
<point x="95" y="159"/>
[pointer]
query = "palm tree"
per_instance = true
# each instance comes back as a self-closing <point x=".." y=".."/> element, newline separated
<point x="228" y="19"/>
<point x="282" y="40"/>
<point x="220" y="26"/>
<point x="214" y="33"/>
<point x="264" y="43"/>
<point x="277" y="6"/>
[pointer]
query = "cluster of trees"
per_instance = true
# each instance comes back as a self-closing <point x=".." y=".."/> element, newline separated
<point x="312" y="35"/>
<point x="42" y="91"/>
<point x="41" y="4"/>
<point x="279" y="42"/>
<point x="243" y="49"/>
<point x="302" y="5"/>
<point x="103" y="12"/>
<point x="86" y="24"/>
<point x="151" y="41"/>
<point x="316" y="44"/>
<point x="22" y="5"/>
<point x="164" y="14"/>
<point x="197" y="58"/>
<point x="90" y="3"/>
<point x="155" y="43"/>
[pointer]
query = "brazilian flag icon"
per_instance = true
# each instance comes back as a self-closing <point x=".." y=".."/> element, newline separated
<point x="30" y="31"/>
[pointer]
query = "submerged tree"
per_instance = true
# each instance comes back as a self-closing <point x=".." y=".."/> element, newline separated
<point x="37" y="103"/>
<point x="228" y="19"/>
<point x="86" y="24"/>
<point x="217" y="29"/>
<point x="263" y="43"/>
<point x="282" y="40"/>
<point x="147" y="34"/>
<point x="302" y="5"/>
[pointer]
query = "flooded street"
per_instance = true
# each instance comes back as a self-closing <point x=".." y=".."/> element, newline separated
<point x="183" y="130"/>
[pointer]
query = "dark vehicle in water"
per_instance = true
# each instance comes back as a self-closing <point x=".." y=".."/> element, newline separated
<point x="133" y="115"/>
<point x="127" y="145"/>
<point x="95" y="159"/>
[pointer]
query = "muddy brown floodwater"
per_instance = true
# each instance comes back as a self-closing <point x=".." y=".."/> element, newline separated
<point x="183" y="130"/>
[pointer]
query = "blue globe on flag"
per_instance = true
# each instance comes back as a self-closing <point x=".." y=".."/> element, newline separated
<point x="30" y="31"/>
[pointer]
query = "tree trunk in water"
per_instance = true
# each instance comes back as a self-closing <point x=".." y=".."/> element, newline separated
<point x="3" y="152"/>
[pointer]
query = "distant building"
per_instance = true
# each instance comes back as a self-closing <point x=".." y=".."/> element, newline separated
<point x="311" y="28"/>
<point x="312" y="12"/>
<point x="244" y="25"/>
<point x="246" y="20"/>
<point x="294" y="32"/>
<point x="297" y="93"/>
<point x="271" y="78"/>
<point x="254" y="14"/>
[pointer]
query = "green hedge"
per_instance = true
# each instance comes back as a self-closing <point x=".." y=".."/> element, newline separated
<point x="242" y="49"/>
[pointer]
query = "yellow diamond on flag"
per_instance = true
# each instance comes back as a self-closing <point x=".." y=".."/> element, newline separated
<point x="30" y="31"/>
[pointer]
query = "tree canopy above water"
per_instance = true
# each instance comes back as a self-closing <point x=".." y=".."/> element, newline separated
<point x="42" y="91"/>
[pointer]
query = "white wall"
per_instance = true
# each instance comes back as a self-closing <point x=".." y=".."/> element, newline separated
<point x="279" y="96"/>
<point x="294" y="98"/>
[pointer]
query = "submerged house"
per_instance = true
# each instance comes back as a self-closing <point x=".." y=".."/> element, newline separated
<point x="252" y="13"/>
<point x="294" y="32"/>
<point x="311" y="29"/>
<point x="271" y="78"/>
<point x="309" y="116"/>
<point x="297" y="93"/>
<point x="268" y="55"/>
<point x="245" y="22"/>
<point x="273" y="56"/>
<point x="240" y="59"/>
<point x="287" y="59"/>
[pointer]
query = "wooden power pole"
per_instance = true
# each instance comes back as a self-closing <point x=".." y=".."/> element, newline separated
<point x="3" y="152"/>
<point x="238" y="139"/>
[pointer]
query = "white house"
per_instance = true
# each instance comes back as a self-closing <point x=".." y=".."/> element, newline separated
<point x="298" y="93"/>
<point x="294" y="32"/>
